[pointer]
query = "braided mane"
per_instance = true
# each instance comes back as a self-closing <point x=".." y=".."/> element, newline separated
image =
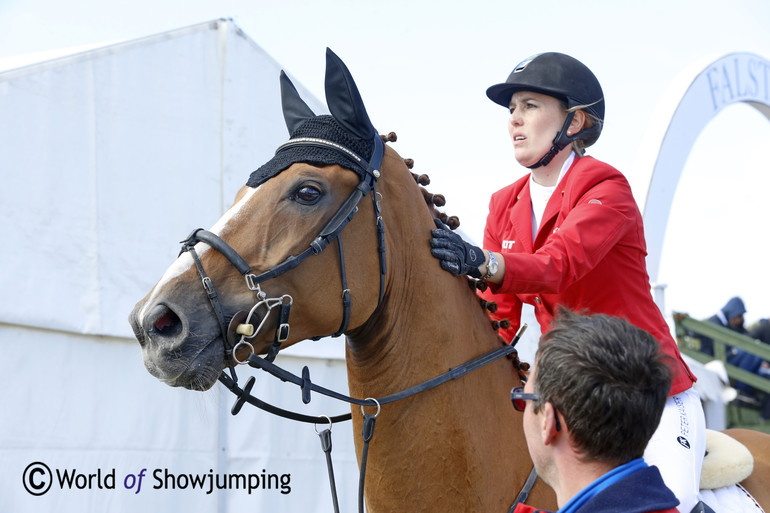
<point x="433" y="201"/>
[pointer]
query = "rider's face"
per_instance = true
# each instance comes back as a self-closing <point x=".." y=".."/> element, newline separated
<point x="534" y="122"/>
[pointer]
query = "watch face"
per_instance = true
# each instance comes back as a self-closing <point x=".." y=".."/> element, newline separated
<point x="491" y="266"/>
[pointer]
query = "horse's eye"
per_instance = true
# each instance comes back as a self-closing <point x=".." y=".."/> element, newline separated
<point x="307" y="194"/>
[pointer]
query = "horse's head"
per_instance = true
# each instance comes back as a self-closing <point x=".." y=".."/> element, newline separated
<point x="245" y="274"/>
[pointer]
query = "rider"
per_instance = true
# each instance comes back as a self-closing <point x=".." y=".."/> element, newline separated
<point x="571" y="234"/>
<point x="591" y="403"/>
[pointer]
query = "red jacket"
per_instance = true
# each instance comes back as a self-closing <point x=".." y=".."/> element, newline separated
<point x="589" y="255"/>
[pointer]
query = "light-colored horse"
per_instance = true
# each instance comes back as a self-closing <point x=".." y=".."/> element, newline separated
<point x="457" y="447"/>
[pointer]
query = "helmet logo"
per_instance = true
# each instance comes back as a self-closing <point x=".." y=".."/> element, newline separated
<point x="523" y="64"/>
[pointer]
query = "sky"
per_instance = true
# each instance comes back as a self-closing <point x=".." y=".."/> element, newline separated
<point x="422" y="68"/>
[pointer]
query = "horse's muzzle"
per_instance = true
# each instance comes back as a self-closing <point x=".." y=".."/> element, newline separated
<point x="177" y="350"/>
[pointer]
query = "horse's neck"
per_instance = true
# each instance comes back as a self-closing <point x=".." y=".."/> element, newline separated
<point x="429" y="320"/>
<point x="461" y="434"/>
<point x="457" y="447"/>
<point x="430" y="323"/>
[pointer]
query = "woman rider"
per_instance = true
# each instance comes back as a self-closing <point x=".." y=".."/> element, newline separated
<point x="570" y="234"/>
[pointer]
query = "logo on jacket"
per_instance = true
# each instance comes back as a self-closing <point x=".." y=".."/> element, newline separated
<point x="683" y="442"/>
<point x="508" y="244"/>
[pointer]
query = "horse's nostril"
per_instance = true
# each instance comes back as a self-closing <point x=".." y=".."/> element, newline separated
<point x="166" y="322"/>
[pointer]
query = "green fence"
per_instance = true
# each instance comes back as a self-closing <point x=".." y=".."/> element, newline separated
<point x="688" y="330"/>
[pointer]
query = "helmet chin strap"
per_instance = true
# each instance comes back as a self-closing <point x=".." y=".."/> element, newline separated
<point x="562" y="140"/>
<point x="559" y="143"/>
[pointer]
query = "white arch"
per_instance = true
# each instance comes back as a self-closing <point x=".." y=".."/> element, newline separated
<point x="694" y="99"/>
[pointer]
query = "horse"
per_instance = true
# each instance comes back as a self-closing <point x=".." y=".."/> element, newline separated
<point x="336" y="228"/>
<point x="471" y="447"/>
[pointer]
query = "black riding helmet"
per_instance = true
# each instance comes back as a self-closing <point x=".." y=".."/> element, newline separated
<point x="563" y="77"/>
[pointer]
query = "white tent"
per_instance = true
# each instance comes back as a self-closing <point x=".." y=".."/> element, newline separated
<point x="109" y="157"/>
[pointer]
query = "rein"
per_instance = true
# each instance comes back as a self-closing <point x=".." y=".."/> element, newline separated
<point x="307" y="386"/>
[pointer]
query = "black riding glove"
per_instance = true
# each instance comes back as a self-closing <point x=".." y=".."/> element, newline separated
<point x="455" y="255"/>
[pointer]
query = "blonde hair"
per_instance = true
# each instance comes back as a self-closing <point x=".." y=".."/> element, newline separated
<point x="579" y="145"/>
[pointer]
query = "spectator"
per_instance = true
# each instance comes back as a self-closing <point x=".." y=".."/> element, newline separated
<point x="593" y="399"/>
<point x="730" y="316"/>
<point x="761" y="332"/>
<point x="756" y="365"/>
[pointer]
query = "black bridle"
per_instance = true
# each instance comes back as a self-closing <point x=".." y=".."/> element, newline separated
<point x="330" y="232"/>
<point x="229" y="331"/>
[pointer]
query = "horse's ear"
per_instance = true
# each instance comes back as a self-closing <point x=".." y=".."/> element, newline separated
<point x="344" y="100"/>
<point x="295" y="110"/>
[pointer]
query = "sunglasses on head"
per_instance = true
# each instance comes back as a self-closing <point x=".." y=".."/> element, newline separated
<point x="519" y="399"/>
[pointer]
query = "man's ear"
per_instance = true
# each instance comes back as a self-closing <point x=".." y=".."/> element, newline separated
<point x="549" y="423"/>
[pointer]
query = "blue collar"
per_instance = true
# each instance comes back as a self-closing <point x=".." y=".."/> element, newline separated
<point x="611" y="477"/>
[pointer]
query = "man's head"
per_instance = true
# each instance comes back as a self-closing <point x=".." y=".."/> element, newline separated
<point x="607" y="379"/>
<point x="733" y="312"/>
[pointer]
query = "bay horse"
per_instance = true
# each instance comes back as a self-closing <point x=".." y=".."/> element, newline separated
<point x="327" y="263"/>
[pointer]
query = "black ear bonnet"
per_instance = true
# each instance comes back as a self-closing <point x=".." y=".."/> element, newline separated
<point x="319" y="127"/>
<point x="346" y="137"/>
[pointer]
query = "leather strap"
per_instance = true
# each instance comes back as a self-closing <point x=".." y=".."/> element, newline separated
<point x="524" y="493"/>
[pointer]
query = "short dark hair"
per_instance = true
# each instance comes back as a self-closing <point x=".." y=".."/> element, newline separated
<point x="608" y="379"/>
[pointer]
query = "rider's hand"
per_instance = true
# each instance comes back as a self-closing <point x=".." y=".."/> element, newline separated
<point x="455" y="255"/>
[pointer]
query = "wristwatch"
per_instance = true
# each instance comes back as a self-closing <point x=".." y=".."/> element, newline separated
<point x="491" y="266"/>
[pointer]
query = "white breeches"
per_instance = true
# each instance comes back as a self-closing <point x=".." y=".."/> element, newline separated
<point x="678" y="445"/>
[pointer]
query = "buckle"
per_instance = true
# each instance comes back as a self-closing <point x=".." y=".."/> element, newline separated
<point x="282" y="332"/>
